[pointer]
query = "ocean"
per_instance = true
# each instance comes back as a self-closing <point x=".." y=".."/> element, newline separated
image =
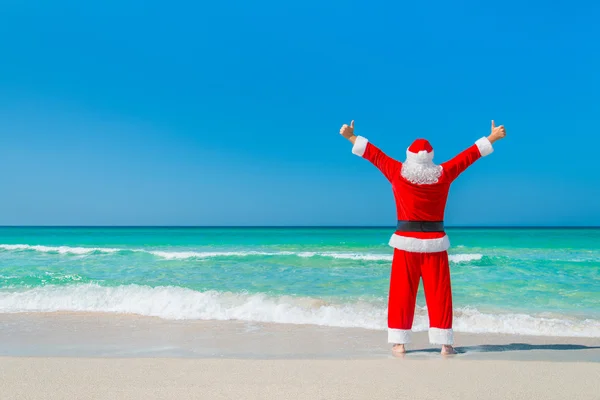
<point x="543" y="282"/>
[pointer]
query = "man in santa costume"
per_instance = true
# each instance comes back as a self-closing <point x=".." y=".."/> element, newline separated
<point x="420" y="243"/>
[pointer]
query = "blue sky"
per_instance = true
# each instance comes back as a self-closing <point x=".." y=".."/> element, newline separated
<point x="228" y="113"/>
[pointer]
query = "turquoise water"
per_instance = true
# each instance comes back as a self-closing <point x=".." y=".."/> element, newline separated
<point x="529" y="281"/>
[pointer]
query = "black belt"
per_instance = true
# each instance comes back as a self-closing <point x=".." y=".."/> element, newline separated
<point x="420" y="226"/>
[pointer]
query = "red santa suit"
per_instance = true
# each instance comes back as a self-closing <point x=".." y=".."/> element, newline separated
<point x="420" y="243"/>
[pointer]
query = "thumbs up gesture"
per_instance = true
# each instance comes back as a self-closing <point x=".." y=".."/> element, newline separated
<point x="498" y="132"/>
<point x="347" y="131"/>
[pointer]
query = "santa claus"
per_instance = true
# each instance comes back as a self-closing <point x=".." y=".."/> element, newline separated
<point x="420" y="243"/>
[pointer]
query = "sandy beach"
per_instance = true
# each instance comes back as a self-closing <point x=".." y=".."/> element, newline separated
<point x="69" y="379"/>
<point x="105" y="356"/>
<point x="106" y="335"/>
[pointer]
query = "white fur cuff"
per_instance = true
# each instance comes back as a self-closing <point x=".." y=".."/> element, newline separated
<point x="441" y="336"/>
<point x="485" y="146"/>
<point x="360" y="145"/>
<point x="399" y="336"/>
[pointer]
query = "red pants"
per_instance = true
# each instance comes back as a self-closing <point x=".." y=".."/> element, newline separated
<point x="407" y="269"/>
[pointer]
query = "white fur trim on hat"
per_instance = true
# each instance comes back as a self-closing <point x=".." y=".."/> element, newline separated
<point x="441" y="336"/>
<point x="399" y="336"/>
<point x="415" y="245"/>
<point x="360" y="146"/>
<point x="421" y="157"/>
<point x="485" y="146"/>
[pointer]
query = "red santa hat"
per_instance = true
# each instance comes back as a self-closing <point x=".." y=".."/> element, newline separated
<point x="420" y="151"/>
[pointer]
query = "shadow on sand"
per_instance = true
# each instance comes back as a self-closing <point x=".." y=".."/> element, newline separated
<point x="510" y="347"/>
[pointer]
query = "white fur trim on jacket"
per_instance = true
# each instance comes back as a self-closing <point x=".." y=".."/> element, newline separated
<point x="485" y="146"/>
<point x="399" y="336"/>
<point x="441" y="336"/>
<point x="360" y="145"/>
<point x="415" y="245"/>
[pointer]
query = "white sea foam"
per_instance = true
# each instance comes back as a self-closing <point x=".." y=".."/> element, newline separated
<point x="182" y="255"/>
<point x="458" y="258"/>
<point x="57" y="249"/>
<point x="304" y="254"/>
<point x="346" y="256"/>
<point x="180" y="303"/>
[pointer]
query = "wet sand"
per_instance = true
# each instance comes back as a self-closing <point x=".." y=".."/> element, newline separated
<point x="105" y="356"/>
<point x="118" y="335"/>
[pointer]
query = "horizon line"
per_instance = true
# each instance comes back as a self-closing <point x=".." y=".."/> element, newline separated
<point x="306" y="226"/>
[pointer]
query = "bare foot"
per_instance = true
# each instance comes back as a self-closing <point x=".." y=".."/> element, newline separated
<point x="398" y="349"/>
<point x="448" y="350"/>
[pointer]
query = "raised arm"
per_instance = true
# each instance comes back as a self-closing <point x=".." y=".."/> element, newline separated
<point x="362" y="148"/>
<point x="482" y="147"/>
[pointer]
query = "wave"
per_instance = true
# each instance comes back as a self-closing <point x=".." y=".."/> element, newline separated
<point x="458" y="258"/>
<point x="183" y="255"/>
<point x="185" y="304"/>
<point x="58" y="249"/>
<point x="304" y="254"/>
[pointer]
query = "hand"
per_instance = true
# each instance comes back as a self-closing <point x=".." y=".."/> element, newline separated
<point x="347" y="131"/>
<point x="498" y="132"/>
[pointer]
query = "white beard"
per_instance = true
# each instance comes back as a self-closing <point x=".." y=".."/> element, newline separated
<point x="421" y="173"/>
